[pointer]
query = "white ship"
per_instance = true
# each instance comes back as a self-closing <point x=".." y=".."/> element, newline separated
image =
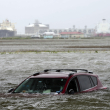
<point x="7" y="29"/>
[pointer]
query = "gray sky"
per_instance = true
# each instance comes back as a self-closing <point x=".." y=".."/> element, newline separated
<point x="56" y="13"/>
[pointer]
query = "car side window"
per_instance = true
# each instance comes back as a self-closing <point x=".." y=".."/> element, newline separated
<point x="94" y="79"/>
<point x="73" y="85"/>
<point x="84" y="82"/>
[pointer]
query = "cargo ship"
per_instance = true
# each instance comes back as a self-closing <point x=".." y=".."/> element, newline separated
<point x="7" y="29"/>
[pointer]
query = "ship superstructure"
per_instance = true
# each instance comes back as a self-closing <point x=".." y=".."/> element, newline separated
<point x="7" y="29"/>
<point x="103" y="27"/>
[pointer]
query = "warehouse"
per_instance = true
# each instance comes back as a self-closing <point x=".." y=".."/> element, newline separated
<point x="72" y="35"/>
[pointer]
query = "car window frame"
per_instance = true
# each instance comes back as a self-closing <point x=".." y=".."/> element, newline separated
<point x="78" y="85"/>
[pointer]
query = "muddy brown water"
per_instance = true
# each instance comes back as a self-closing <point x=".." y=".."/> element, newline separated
<point x="15" y="66"/>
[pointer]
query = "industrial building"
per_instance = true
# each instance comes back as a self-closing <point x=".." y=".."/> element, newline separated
<point x="85" y="30"/>
<point x="34" y="28"/>
<point x="48" y="35"/>
<point x="72" y="35"/>
<point x="7" y="29"/>
<point x="38" y="28"/>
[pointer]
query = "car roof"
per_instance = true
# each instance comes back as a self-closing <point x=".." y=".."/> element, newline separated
<point x="61" y="73"/>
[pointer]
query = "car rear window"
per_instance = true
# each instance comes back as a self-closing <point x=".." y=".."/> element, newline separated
<point x="94" y="79"/>
<point x="84" y="82"/>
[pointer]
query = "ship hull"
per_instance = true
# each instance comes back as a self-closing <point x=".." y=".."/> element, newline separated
<point x="7" y="33"/>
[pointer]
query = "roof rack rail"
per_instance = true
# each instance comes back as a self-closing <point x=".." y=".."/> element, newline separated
<point x="59" y="70"/>
<point x="91" y="72"/>
<point x="36" y="73"/>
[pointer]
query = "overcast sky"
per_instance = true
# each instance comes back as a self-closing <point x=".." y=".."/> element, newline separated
<point x="56" y="13"/>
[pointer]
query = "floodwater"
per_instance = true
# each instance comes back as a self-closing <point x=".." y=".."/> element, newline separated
<point x="16" y="66"/>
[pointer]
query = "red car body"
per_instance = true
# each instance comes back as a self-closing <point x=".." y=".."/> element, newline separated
<point x="60" y="81"/>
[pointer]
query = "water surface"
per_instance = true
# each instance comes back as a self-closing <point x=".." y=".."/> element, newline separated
<point x="15" y="67"/>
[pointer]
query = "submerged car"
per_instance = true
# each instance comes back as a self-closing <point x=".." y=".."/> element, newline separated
<point x="60" y="81"/>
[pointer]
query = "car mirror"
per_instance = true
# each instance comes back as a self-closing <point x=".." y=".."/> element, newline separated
<point x="71" y="91"/>
<point x="10" y="90"/>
